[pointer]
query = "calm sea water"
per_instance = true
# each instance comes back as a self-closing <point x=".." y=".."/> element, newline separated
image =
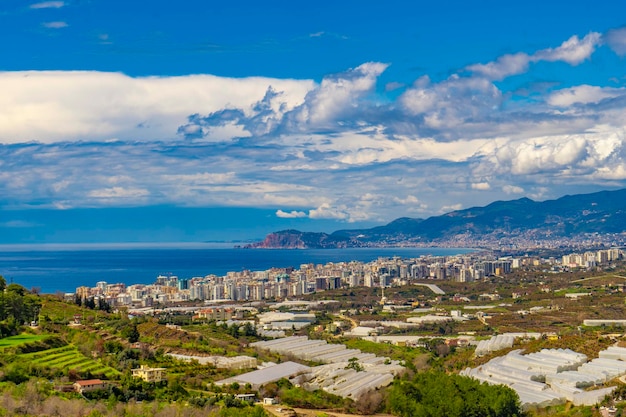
<point x="55" y="268"/>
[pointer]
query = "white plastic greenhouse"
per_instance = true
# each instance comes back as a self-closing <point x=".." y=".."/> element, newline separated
<point x="566" y="374"/>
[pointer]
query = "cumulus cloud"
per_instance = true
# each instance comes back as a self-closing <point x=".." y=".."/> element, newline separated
<point x="583" y="94"/>
<point x="337" y="149"/>
<point x="512" y="189"/>
<point x="335" y="100"/>
<point x="481" y="186"/>
<point x="294" y="214"/>
<point x="452" y="102"/>
<point x="541" y="155"/>
<point x="503" y="67"/>
<point x="573" y="51"/>
<point x="50" y="106"/>
<point x="335" y="97"/>
<point x="325" y="211"/>
<point x="409" y="199"/>
<point x="582" y="156"/>
<point x="451" y="207"/>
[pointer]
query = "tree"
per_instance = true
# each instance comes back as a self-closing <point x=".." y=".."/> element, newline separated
<point x="103" y="305"/>
<point x="432" y="394"/>
<point x="89" y="303"/>
<point x="249" y="330"/>
<point x="370" y="402"/>
<point x="17" y="306"/>
<point x="234" y="330"/>
<point x="131" y="332"/>
<point x="353" y="363"/>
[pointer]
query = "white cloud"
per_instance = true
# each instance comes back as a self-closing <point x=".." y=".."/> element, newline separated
<point x="335" y="96"/>
<point x="583" y="94"/>
<point x="451" y="207"/>
<point x="48" y="5"/>
<point x="201" y="178"/>
<point x="119" y="192"/>
<point x="582" y="157"/>
<point x="55" y="25"/>
<point x="616" y="39"/>
<point x="542" y="154"/>
<point x="615" y="172"/>
<point x="394" y="85"/>
<point x="409" y="199"/>
<point x="337" y="103"/>
<point x="481" y="186"/>
<point x="325" y="211"/>
<point x="335" y="146"/>
<point x="290" y="214"/>
<point x="512" y="189"/>
<point x="573" y="51"/>
<point x="49" y="106"/>
<point x="503" y="67"/>
<point x="452" y="102"/>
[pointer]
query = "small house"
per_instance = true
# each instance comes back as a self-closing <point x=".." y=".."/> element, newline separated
<point x="89" y="385"/>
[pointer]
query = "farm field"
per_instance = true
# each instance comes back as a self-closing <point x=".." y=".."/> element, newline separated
<point x="68" y="357"/>
<point x="21" y="339"/>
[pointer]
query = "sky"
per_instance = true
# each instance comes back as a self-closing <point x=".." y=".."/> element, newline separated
<point x="207" y="121"/>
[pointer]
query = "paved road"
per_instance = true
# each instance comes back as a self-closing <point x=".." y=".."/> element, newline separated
<point x="433" y="288"/>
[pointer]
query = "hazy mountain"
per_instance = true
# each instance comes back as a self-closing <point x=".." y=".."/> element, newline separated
<point x="602" y="212"/>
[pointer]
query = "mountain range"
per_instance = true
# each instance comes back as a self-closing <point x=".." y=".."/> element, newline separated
<point x="502" y="222"/>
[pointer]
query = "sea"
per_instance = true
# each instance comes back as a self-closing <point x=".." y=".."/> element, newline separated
<point x="54" y="268"/>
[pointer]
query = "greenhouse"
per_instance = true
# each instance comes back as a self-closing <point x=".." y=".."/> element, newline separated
<point x="348" y="373"/>
<point x="553" y="376"/>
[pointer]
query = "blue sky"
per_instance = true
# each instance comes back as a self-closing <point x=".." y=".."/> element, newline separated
<point x="319" y="116"/>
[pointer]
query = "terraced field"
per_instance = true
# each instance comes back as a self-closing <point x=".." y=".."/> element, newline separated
<point x="68" y="357"/>
<point x="21" y="339"/>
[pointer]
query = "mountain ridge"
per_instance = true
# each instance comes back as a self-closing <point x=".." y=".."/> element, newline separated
<point x="508" y="222"/>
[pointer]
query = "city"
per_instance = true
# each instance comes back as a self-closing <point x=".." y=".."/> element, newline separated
<point x="280" y="284"/>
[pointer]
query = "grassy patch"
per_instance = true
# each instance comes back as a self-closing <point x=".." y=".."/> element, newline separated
<point x="67" y="358"/>
<point x="21" y="339"/>
<point x="401" y="353"/>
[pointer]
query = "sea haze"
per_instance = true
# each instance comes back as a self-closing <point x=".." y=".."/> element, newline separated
<point x="53" y="268"/>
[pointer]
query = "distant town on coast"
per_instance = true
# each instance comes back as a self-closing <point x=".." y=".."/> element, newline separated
<point x="284" y="283"/>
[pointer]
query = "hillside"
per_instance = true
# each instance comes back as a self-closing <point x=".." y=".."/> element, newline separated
<point x="569" y="216"/>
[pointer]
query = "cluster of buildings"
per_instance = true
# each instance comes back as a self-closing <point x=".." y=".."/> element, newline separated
<point x="281" y="283"/>
<point x="348" y="373"/>
<point x="144" y="372"/>
<point x="554" y="376"/>
<point x="591" y="259"/>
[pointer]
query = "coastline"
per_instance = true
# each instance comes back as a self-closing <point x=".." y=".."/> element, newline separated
<point x="64" y="269"/>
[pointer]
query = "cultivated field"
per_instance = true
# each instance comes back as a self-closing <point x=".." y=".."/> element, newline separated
<point x="68" y="357"/>
<point x="20" y="339"/>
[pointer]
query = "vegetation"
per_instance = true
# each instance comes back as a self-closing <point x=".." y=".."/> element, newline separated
<point x="34" y="398"/>
<point x="434" y="394"/>
<point x="299" y="397"/>
<point x="83" y="339"/>
<point x="68" y="359"/>
<point x="17" y="306"/>
<point x="21" y="339"/>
